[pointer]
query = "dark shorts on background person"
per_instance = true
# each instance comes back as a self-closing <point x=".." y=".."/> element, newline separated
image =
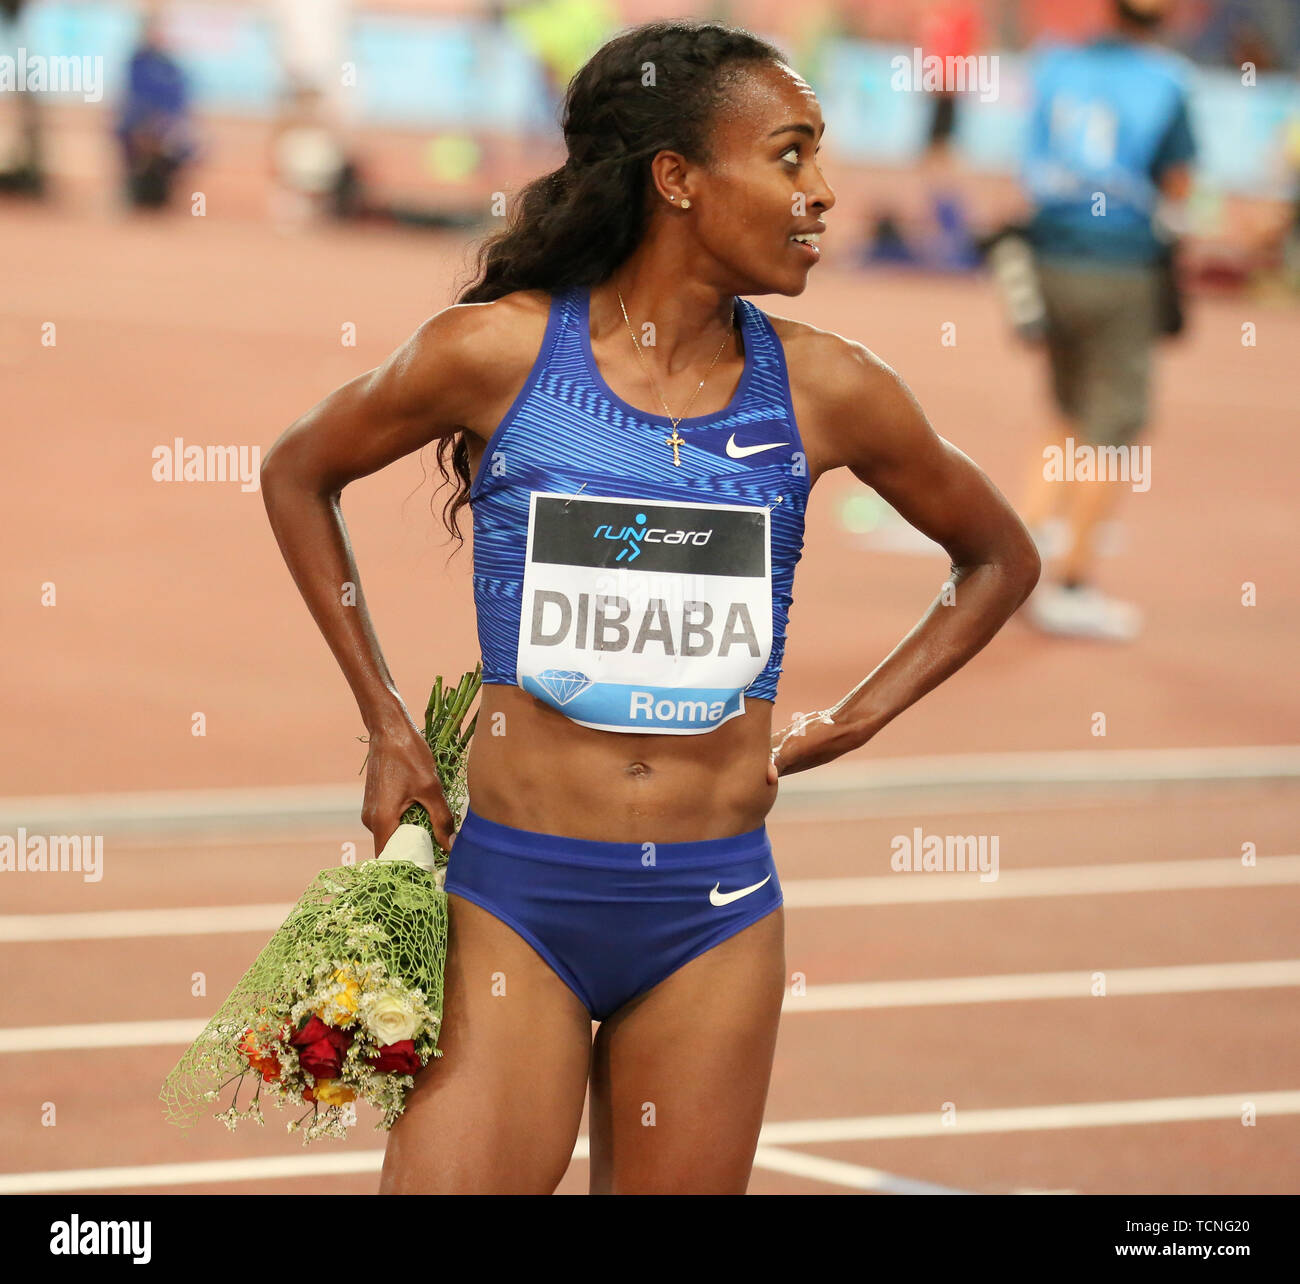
<point x="1102" y="323"/>
<point x="943" y="117"/>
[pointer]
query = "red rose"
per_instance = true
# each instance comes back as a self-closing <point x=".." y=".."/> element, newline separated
<point x="397" y="1058"/>
<point x="321" y="1048"/>
<point x="321" y="1060"/>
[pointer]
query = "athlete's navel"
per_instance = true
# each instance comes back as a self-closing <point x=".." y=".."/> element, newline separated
<point x="637" y="769"/>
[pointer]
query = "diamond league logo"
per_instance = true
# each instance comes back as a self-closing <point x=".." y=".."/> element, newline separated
<point x="563" y="685"/>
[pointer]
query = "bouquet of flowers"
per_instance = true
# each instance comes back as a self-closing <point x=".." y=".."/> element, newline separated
<point x="345" y="1000"/>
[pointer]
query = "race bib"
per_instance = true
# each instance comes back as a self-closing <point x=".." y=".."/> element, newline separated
<point x="644" y="615"/>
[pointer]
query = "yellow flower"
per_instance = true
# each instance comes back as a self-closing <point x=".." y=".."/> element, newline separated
<point x="330" y="1092"/>
<point x="341" y="1009"/>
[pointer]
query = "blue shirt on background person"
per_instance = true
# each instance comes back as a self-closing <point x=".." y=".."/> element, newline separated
<point x="156" y="103"/>
<point x="1109" y="119"/>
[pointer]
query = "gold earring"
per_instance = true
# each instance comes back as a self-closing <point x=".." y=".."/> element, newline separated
<point x="686" y="202"/>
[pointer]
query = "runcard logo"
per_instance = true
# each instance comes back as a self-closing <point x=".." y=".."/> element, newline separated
<point x="635" y="535"/>
<point x="75" y="1238"/>
<point x="699" y="539"/>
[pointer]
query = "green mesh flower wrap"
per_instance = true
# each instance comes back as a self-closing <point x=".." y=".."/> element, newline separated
<point x="345" y="1000"/>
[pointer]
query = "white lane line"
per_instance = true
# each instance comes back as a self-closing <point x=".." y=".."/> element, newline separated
<point x="102" y="924"/>
<point x="101" y="1034"/>
<point x="829" y="1171"/>
<point x="1119" y="982"/>
<point x="835" y="1172"/>
<point x="800" y="893"/>
<point x="194" y="1174"/>
<point x="1063" y="767"/>
<point x="274" y="807"/>
<point x="795" y="1132"/>
<point x="1064" y="880"/>
<point x="852" y="996"/>
<point x="1090" y="1114"/>
<point x="325" y="808"/>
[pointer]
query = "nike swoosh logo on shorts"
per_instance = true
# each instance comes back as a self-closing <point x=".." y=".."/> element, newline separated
<point x="740" y="452"/>
<point x="717" y="897"/>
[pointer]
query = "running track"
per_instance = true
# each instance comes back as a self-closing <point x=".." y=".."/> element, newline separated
<point x="172" y="600"/>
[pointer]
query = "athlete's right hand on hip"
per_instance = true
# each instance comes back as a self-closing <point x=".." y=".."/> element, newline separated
<point x="400" y="771"/>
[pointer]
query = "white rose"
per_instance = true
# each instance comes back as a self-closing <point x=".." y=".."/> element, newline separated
<point x="390" y="1018"/>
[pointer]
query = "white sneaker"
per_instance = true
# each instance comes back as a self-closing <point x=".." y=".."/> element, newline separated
<point x="1083" y="612"/>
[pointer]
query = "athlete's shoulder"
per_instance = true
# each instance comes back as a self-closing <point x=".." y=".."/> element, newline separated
<point x="490" y="332"/>
<point x="469" y="356"/>
<point x="827" y="367"/>
<point x="850" y="402"/>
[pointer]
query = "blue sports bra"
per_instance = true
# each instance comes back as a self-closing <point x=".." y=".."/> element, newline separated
<point x="628" y="592"/>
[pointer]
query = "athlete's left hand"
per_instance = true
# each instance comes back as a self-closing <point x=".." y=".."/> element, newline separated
<point x="810" y="740"/>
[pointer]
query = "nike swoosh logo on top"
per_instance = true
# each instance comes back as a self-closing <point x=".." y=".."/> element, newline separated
<point x="740" y="452"/>
<point x="717" y="897"/>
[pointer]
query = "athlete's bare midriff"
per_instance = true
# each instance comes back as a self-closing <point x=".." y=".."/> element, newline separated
<point x="533" y="768"/>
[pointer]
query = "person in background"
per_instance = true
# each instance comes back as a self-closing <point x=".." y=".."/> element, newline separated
<point x="1291" y="232"/>
<point x="22" y="169"/>
<point x="1107" y="169"/>
<point x="154" y="128"/>
<point x="950" y="31"/>
<point x="314" y="159"/>
<point x="309" y="167"/>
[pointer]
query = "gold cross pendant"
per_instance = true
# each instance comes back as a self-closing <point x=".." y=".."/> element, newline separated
<point x="675" y="441"/>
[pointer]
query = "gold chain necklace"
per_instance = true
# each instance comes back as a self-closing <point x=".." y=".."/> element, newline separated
<point x="675" y="441"/>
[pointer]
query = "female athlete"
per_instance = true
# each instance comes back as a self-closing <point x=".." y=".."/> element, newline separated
<point x="637" y="443"/>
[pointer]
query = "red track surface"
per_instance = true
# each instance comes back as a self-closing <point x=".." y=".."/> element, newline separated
<point x="172" y="600"/>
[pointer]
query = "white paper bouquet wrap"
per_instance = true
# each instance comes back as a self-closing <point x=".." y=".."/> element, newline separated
<point x="345" y="1000"/>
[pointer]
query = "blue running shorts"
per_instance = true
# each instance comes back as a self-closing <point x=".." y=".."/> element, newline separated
<point x="614" y="919"/>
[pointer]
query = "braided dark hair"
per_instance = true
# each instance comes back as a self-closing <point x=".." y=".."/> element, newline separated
<point x="652" y="88"/>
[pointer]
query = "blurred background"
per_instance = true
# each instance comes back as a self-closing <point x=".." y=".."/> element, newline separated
<point x="430" y="106"/>
<point x="223" y="210"/>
